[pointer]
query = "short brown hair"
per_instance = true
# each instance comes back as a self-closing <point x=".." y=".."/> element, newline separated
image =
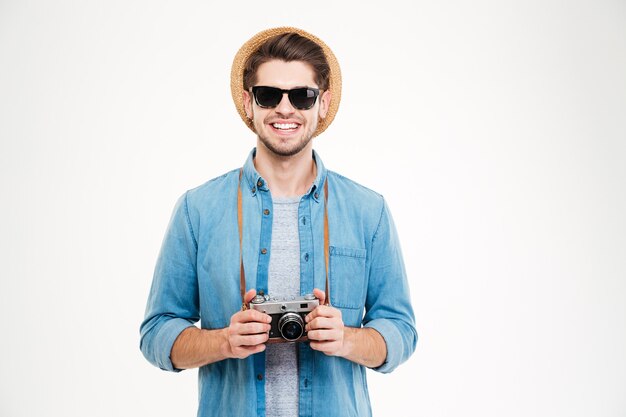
<point x="288" y="47"/>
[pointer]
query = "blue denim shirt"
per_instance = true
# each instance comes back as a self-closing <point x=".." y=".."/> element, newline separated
<point x="197" y="278"/>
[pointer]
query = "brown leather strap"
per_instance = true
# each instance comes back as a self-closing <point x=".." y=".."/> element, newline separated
<point x="242" y="274"/>
<point x="326" y="242"/>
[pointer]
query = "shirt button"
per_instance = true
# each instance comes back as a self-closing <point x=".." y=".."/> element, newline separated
<point x="263" y="251"/>
<point x="259" y="377"/>
<point x="254" y="189"/>
<point x="316" y="195"/>
<point x="306" y="257"/>
<point x="266" y="212"/>
<point x="304" y="220"/>
<point x="259" y="183"/>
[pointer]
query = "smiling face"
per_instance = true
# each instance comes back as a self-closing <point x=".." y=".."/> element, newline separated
<point x="284" y="130"/>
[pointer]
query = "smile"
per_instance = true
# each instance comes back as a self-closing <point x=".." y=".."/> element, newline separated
<point x="285" y="126"/>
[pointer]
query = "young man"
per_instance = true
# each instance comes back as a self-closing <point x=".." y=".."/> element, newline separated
<point x="283" y="226"/>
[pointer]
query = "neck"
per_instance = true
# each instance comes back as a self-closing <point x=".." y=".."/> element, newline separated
<point x="286" y="176"/>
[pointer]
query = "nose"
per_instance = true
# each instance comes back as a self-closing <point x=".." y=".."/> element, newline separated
<point x="285" y="107"/>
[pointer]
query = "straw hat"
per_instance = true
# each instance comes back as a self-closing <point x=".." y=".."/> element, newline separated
<point x="252" y="45"/>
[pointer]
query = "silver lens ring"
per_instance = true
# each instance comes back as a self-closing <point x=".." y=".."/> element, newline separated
<point x="291" y="318"/>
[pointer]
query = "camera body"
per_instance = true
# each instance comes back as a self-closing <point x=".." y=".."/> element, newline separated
<point x="287" y="316"/>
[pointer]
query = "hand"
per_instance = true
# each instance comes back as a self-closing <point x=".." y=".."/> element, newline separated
<point x="325" y="328"/>
<point x="247" y="332"/>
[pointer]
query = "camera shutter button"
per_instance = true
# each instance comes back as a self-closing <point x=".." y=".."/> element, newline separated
<point x="258" y="299"/>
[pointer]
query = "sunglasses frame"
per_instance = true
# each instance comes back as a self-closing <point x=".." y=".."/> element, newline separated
<point x="316" y="92"/>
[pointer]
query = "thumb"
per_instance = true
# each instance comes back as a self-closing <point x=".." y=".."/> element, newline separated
<point x="249" y="296"/>
<point x="320" y="295"/>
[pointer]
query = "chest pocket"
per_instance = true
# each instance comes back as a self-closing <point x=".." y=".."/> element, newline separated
<point x="347" y="277"/>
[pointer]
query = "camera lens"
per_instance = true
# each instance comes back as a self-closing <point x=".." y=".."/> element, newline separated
<point x="291" y="326"/>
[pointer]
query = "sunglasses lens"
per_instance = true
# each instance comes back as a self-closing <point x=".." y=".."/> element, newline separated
<point x="303" y="98"/>
<point x="267" y="96"/>
<point x="300" y="98"/>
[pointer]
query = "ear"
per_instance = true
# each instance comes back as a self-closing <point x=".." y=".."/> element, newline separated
<point x="247" y="103"/>
<point x="325" y="103"/>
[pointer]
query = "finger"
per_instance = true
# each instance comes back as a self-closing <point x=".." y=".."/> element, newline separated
<point x="251" y="316"/>
<point x="242" y="352"/>
<point x="249" y="296"/>
<point x="322" y="311"/>
<point x="320" y="295"/>
<point x="249" y="340"/>
<point x="325" y="347"/>
<point x="312" y="315"/>
<point x="323" y="323"/>
<point x="324" y="335"/>
<point x="251" y="328"/>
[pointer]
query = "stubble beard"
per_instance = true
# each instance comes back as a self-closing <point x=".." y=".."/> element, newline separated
<point x="286" y="151"/>
<point x="292" y="148"/>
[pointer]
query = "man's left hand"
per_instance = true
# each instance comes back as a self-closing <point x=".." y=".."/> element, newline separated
<point x="325" y="327"/>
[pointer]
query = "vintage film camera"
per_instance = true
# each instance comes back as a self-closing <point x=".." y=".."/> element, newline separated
<point x="287" y="316"/>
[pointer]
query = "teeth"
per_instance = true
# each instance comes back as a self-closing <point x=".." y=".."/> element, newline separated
<point x="285" y="125"/>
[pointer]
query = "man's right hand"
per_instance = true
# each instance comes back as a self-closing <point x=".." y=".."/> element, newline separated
<point x="248" y="331"/>
<point x="245" y="336"/>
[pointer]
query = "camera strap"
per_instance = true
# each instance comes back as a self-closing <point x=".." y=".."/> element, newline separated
<point x="242" y="272"/>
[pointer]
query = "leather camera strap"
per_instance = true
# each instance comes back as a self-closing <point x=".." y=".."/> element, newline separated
<point x="326" y="242"/>
<point x="242" y="273"/>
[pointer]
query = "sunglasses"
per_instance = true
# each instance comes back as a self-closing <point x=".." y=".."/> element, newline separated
<point x="302" y="98"/>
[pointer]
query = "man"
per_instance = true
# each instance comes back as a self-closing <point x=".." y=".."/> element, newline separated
<point x="282" y="226"/>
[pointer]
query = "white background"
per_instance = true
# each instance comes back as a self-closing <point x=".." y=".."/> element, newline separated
<point x="495" y="129"/>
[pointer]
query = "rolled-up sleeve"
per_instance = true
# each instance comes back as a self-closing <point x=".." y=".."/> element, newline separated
<point x="388" y="301"/>
<point x="173" y="302"/>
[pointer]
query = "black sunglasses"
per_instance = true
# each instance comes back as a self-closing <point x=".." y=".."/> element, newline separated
<point x="302" y="98"/>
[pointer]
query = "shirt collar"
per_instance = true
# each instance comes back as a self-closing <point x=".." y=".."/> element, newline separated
<point x="256" y="182"/>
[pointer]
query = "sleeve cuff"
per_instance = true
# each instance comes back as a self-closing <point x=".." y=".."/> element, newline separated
<point x="168" y="334"/>
<point x="393" y="342"/>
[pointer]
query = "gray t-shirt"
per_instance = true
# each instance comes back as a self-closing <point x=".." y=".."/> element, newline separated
<point x="281" y="361"/>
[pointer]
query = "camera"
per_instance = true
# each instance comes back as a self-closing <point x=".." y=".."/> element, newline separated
<point x="287" y="316"/>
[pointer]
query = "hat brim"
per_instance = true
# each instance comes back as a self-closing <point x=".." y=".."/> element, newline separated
<point x="252" y="45"/>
